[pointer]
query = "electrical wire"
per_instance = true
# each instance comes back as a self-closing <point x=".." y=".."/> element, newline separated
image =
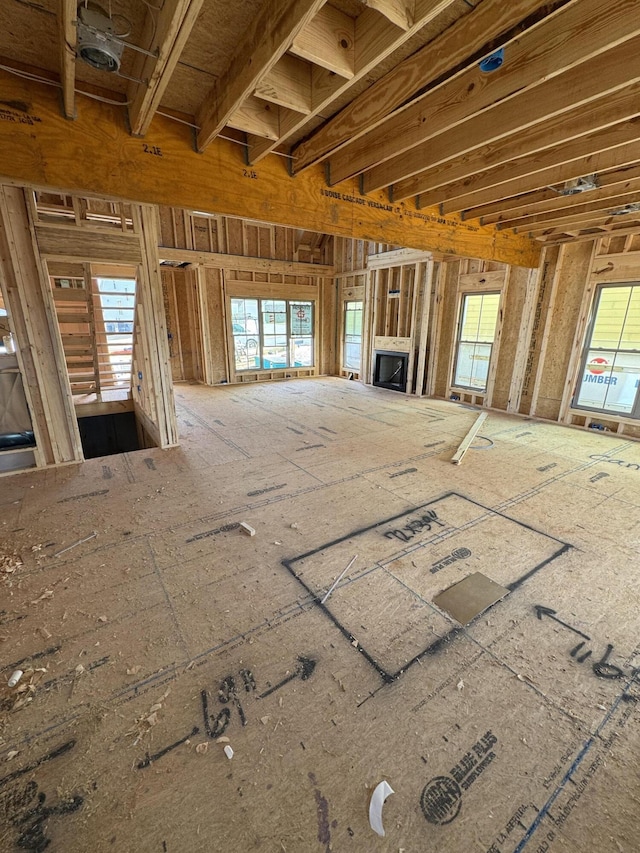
<point x="37" y="7"/>
<point x="38" y="79"/>
<point x="112" y="101"/>
<point x="482" y="446"/>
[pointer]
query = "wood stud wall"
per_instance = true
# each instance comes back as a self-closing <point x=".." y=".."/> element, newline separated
<point x="183" y="322"/>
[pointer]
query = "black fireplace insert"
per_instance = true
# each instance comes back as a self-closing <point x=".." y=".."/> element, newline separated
<point x="390" y="370"/>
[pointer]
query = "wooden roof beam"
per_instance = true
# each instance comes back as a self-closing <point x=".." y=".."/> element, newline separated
<point x="576" y="222"/>
<point x="592" y="234"/>
<point x="488" y="22"/>
<point x="609" y="183"/>
<point x="267" y="39"/>
<point x="375" y="39"/>
<point x="612" y="158"/>
<point x="68" y="45"/>
<point x="543" y="75"/>
<point x="166" y="32"/>
<point x="575" y="205"/>
<point x="573" y="134"/>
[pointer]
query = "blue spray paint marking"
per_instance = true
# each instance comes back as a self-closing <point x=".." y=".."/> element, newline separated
<point x="578" y="761"/>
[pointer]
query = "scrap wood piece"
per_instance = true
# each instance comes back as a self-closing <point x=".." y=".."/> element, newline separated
<point x="466" y="441"/>
<point x="247" y="528"/>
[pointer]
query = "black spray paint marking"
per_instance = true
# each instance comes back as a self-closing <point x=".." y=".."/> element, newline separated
<point x="547" y="611"/>
<point x="326" y="429"/>
<point x="600" y="457"/>
<point x="402" y="473"/>
<point x="215" y="724"/>
<point x="149" y="759"/>
<point x="442" y="797"/>
<point x="107" y="473"/>
<point x="50" y="651"/>
<point x="17" y="799"/>
<point x="454" y="556"/>
<point x="602" y="668"/>
<point x="522" y="434"/>
<point x="224" y="529"/>
<point x="548" y="467"/>
<point x="442" y="642"/>
<point x="303" y="672"/>
<point x="86" y="495"/>
<point x="435" y="444"/>
<point x="151" y="465"/>
<point x="309" y="447"/>
<point x="599" y="476"/>
<point x="218" y="422"/>
<point x="264" y="491"/>
<point x="297" y="431"/>
<point x="415" y="525"/>
<point x="32" y="823"/>
<point x="50" y="756"/>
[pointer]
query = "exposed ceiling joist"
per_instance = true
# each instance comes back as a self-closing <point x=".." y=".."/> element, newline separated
<point x="602" y="230"/>
<point x="68" y="44"/>
<point x="608" y="184"/>
<point x="166" y="33"/>
<point x="549" y="69"/>
<point x="269" y="37"/>
<point x="489" y="21"/>
<point x="576" y="133"/>
<point x="375" y="40"/>
<point x="613" y="148"/>
<point x="582" y="204"/>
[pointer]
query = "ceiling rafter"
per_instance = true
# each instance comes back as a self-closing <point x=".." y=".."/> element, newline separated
<point x="554" y="66"/>
<point x="612" y="158"/>
<point x="486" y="23"/>
<point x="376" y="38"/>
<point x="166" y="33"/>
<point x="269" y="37"/>
<point x="68" y="43"/>
<point x="576" y="133"/>
<point x="608" y="184"/>
<point x="584" y="203"/>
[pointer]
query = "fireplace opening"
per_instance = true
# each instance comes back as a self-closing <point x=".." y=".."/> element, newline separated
<point x="390" y="370"/>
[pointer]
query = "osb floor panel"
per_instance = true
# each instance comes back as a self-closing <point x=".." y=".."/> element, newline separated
<point x="171" y="628"/>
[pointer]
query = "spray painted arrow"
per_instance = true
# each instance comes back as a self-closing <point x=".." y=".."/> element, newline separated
<point x="303" y="672"/>
<point x="547" y="611"/>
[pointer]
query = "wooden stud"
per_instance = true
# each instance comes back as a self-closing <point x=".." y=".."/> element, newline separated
<point x="39" y="345"/>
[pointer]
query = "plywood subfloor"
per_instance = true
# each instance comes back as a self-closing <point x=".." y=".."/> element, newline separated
<point x="171" y="628"/>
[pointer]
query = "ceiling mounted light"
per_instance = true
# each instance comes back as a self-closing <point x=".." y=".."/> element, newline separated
<point x="580" y="185"/>
<point x="632" y="207"/>
<point x="98" y="43"/>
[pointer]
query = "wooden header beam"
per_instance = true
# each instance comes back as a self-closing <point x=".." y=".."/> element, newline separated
<point x="96" y="156"/>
